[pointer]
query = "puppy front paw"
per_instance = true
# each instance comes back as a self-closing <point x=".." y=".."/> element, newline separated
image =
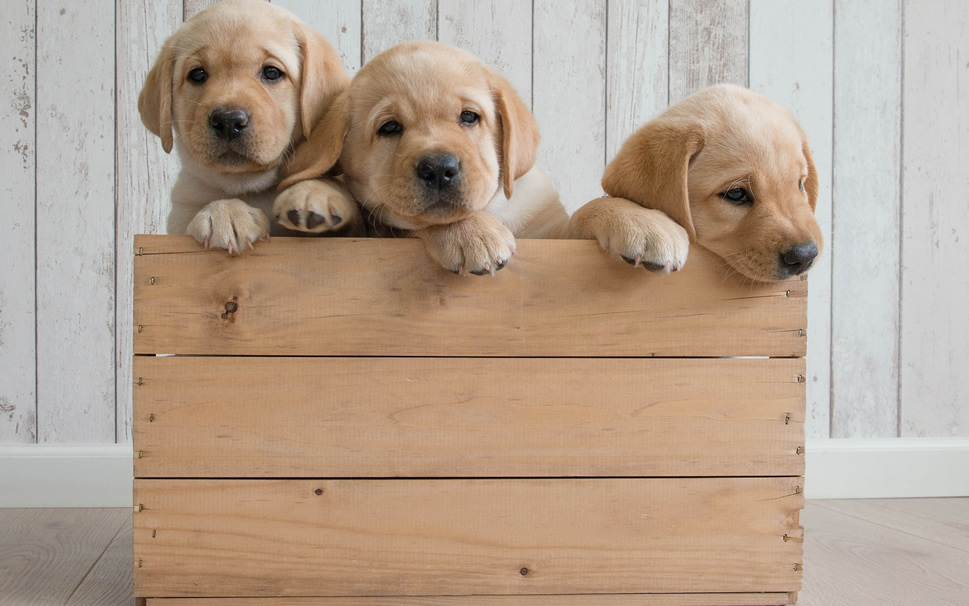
<point x="230" y="224"/>
<point x="479" y="244"/>
<point x="318" y="206"/>
<point x="642" y="237"/>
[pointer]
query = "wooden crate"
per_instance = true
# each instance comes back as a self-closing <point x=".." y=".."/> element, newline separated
<point x="344" y="422"/>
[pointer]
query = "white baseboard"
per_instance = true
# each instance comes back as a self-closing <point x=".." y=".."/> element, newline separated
<point x="887" y="468"/>
<point x="56" y="475"/>
<point x="100" y="475"/>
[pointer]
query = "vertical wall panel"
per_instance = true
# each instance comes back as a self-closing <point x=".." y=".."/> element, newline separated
<point x="708" y="45"/>
<point x="935" y="219"/>
<point x="191" y="7"/>
<point x="337" y="20"/>
<point x="499" y="32"/>
<point x="864" y="351"/>
<point x="18" y="403"/>
<point x="791" y="55"/>
<point x="390" y="22"/>
<point x="637" y="70"/>
<point x="569" y="95"/>
<point x="75" y="221"/>
<point x="145" y="174"/>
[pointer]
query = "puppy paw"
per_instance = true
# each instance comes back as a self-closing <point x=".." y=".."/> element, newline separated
<point x="479" y="244"/>
<point x="317" y="206"/>
<point x="229" y="224"/>
<point x="642" y="237"/>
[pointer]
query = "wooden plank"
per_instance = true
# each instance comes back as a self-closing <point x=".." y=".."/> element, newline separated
<point x="75" y="222"/>
<point x="534" y="417"/>
<point x="145" y="172"/>
<point x="18" y="400"/>
<point x="795" y="71"/>
<point x="111" y="579"/>
<point x="386" y="297"/>
<point x="499" y="32"/>
<point x="45" y="554"/>
<point x="193" y="7"/>
<point x="935" y="218"/>
<point x="637" y="67"/>
<point x="339" y="21"/>
<point x="570" y="47"/>
<point x="387" y="23"/>
<point x="941" y="521"/>
<point x="866" y="171"/>
<point x="641" y="599"/>
<point x="197" y="538"/>
<point x="708" y="45"/>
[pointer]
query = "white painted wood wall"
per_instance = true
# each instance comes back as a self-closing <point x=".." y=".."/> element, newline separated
<point x="880" y="86"/>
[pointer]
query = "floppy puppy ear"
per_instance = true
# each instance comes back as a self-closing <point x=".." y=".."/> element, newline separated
<point x="319" y="153"/>
<point x="519" y="133"/>
<point x="652" y="166"/>
<point x="155" y="99"/>
<point x="322" y="77"/>
<point x="811" y="183"/>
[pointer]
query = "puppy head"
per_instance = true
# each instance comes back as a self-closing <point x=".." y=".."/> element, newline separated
<point x="425" y="135"/>
<point x="238" y="84"/>
<point x="735" y="170"/>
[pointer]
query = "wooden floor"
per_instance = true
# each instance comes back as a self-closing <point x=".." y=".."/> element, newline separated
<point x="886" y="552"/>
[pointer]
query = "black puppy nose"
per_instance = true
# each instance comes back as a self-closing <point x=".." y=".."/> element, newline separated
<point x="799" y="259"/>
<point x="438" y="171"/>
<point x="228" y="122"/>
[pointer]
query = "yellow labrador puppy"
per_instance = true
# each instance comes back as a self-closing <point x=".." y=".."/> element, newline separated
<point x="434" y="144"/>
<point x="234" y="90"/>
<point x="725" y="168"/>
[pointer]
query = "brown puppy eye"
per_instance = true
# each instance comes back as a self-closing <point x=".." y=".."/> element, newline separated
<point x="197" y="75"/>
<point x="738" y="196"/>
<point x="271" y="73"/>
<point x="800" y="184"/>
<point x="468" y="118"/>
<point x="390" y="128"/>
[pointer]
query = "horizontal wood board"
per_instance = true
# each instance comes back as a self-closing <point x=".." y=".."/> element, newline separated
<point x="385" y="297"/>
<point x="467" y="417"/>
<point x="221" y="538"/>
<point x="665" y="599"/>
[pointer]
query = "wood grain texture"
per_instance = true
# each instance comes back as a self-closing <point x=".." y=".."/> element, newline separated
<point x="385" y="297"/>
<point x="637" y="67"/>
<point x="111" y="579"/>
<point x="568" y="97"/>
<point x="499" y="32"/>
<point x="851" y="561"/>
<point x="467" y="417"/>
<point x="464" y="537"/>
<point x="339" y="21"/>
<point x="145" y="174"/>
<point x="642" y="599"/>
<point x="48" y="567"/>
<point x="942" y="521"/>
<point x="867" y="154"/>
<point x="193" y="7"/>
<point x="389" y="22"/>
<point x="935" y="219"/>
<point x="708" y="45"/>
<point x="75" y="222"/>
<point x="18" y="400"/>
<point x="791" y="56"/>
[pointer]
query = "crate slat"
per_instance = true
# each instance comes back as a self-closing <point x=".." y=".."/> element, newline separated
<point x="665" y="599"/>
<point x="225" y="538"/>
<point x="299" y="296"/>
<point x="460" y="417"/>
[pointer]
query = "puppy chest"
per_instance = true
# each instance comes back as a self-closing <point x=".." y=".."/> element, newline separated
<point x="346" y="418"/>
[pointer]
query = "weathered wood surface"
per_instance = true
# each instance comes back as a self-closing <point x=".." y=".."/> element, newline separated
<point x="642" y="599"/>
<point x="196" y="538"/>
<point x="549" y="301"/>
<point x="708" y="45"/>
<point x="440" y="417"/>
